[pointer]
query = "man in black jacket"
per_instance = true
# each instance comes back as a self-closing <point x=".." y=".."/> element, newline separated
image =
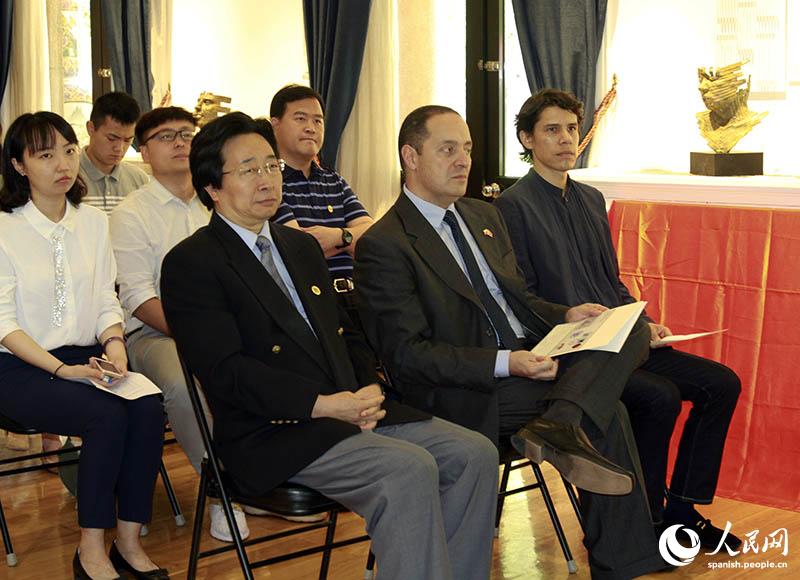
<point x="561" y="237"/>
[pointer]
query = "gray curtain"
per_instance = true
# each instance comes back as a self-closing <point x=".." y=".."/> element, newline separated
<point x="6" y="18"/>
<point x="560" y="41"/>
<point x="336" y="32"/>
<point x="127" y="27"/>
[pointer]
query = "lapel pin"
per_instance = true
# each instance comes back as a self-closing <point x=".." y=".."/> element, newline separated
<point x="330" y="209"/>
<point x="488" y="233"/>
<point x="315" y="289"/>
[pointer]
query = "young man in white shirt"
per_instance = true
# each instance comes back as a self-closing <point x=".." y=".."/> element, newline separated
<point x="111" y="129"/>
<point x="144" y="227"/>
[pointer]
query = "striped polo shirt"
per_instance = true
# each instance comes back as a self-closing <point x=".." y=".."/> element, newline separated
<point x="106" y="191"/>
<point x="322" y="199"/>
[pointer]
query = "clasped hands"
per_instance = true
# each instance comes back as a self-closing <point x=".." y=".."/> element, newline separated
<point x="361" y="408"/>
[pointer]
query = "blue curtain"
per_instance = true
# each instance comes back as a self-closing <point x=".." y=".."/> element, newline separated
<point x="560" y="42"/>
<point x="6" y="17"/>
<point x="336" y="32"/>
<point x="127" y="32"/>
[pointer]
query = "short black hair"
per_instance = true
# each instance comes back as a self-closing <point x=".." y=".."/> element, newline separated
<point x="532" y="109"/>
<point x="33" y="132"/>
<point x="205" y="158"/>
<point x="121" y="107"/>
<point x="159" y="116"/>
<point x="414" y="129"/>
<point x="290" y="94"/>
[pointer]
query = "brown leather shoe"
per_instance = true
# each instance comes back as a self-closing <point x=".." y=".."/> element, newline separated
<point x="569" y="450"/>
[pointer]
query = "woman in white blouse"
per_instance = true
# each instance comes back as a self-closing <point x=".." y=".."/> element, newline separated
<point x="58" y="308"/>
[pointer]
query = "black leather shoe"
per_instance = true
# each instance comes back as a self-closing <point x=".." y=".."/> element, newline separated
<point x="77" y="569"/>
<point x="569" y="450"/>
<point x="710" y="535"/>
<point x="122" y="565"/>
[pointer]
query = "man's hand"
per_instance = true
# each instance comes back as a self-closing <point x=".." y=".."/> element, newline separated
<point x="370" y="417"/>
<point x="328" y="239"/>
<point x="658" y="331"/>
<point x="523" y="363"/>
<point x="362" y="408"/>
<point x="582" y="311"/>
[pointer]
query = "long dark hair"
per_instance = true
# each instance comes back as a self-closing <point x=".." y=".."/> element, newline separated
<point x="33" y="132"/>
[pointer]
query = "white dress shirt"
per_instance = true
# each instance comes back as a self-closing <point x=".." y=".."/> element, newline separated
<point x="146" y="225"/>
<point x="435" y="216"/>
<point x="27" y="276"/>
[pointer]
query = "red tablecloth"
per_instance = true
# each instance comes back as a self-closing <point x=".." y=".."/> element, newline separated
<point x="704" y="268"/>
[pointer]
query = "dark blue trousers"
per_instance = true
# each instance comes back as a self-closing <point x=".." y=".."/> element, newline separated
<point x="653" y="398"/>
<point x="122" y="439"/>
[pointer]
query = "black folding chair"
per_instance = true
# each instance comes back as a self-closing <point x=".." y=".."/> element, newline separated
<point x="511" y="460"/>
<point x="14" y="427"/>
<point x="288" y="499"/>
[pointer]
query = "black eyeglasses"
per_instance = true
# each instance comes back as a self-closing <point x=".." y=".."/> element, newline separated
<point x="169" y="135"/>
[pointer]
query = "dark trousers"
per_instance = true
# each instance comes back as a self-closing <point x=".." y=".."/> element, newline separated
<point x="122" y="439"/>
<point x="618" y="533"/>
<point x="653" y="398"/>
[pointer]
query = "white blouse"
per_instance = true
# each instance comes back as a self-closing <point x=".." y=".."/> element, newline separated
<point x="82" y="304"/>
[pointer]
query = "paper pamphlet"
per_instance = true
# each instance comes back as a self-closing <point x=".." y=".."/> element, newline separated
<point x="132" y="387"/>
<point x="607" y="331"/>
<point x="682" y="337"/>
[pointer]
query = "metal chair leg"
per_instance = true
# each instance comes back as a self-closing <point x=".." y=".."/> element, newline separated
<point x="369" y="572"/>
<point x="227" y="508"/>
<point x="572" y="566"/>
<point x="11" y="557"/>
<point x="197" y="528"/>
<point x="573" y="499"/>
<point x="180" y="521"/>
<point x="326" y="554"/>
<point x="501" y="497"/>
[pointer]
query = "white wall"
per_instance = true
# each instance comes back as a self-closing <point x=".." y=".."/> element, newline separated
<point x="243" y="49"/>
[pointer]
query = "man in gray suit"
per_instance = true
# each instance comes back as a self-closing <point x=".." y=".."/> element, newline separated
<point x="444" y="304"/>
<point x="292" y="385"/>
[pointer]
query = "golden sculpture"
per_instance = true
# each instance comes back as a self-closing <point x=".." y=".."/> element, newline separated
<point x="728" y="119"/>
<point x="209" y="107"/>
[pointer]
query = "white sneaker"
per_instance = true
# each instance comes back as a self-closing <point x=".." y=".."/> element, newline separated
<point x="219" y="525"/>
<point x="254" y="511"/>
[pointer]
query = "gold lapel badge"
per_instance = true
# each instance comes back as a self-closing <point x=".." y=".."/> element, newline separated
<point x="315" y="289"/>
<point x="330" y="209"/>
<point x="488" y="233"/>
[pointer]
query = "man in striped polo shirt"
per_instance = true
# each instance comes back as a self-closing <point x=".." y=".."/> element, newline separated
<point x="316" y="199"/>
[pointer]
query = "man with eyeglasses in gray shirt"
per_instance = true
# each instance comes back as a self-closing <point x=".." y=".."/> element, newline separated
<point x="111" y="128"/>
<point x="146" y="225"/>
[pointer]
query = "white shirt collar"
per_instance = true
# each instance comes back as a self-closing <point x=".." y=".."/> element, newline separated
<point x="42" y="223"/>
<point x="248" y="237"/>
<point x="430" y="211"/>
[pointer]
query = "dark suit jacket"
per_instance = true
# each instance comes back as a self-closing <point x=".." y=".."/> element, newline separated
<point x="424" y="318"/>
<point x="260" y="365"/>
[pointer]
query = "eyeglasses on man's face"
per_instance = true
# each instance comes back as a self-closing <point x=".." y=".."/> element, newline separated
<point x="169" y="135"/>
<point x="251" y="171"/>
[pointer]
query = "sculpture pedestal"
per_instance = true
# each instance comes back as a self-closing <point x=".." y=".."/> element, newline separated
<point x="740" y="163"/>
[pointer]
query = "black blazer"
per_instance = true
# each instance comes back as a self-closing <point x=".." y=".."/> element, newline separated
<point x="260" y="365"/>
<point x="423" y="316"/>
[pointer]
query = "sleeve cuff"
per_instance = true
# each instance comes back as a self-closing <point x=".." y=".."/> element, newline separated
<point x="501" y="364"/>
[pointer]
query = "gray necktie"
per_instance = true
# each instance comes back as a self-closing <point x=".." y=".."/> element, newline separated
<point x="267" y="260"/>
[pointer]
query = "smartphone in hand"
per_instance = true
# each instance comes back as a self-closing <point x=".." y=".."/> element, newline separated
<point x="110" y="371"/>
